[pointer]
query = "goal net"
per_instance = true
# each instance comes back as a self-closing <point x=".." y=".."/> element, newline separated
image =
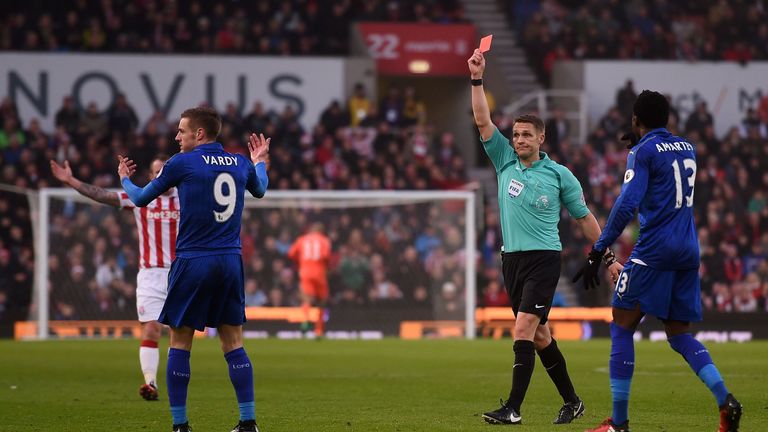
<point x="402" y="261"/>
<point x="18" y="212"/>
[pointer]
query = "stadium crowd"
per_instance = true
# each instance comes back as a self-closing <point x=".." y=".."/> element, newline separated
<point x="262" y="27"/>
<point x="392" y="254"/>
<point x="383" y="254"/>
<point x="552" y="30"/>
<point x="401" y="254"/>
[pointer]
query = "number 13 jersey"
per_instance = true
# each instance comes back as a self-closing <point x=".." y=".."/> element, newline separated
<point x="211" y="184"/>
<point x="661" y="170"/>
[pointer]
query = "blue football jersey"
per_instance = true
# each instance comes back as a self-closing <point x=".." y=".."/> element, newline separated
<point x="659" y="181"/>
<point x="211" y="184"/>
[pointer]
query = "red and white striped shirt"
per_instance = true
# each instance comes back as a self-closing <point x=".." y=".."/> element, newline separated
<point x="157" y="224"/>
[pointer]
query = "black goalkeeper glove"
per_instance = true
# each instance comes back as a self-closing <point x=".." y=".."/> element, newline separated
<point x="591" y="270"/>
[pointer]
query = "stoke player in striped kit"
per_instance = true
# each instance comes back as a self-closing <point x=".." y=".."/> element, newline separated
<point x="157" y="227"/>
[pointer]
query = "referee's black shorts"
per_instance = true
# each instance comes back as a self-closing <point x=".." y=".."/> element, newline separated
<point x="530" y="278"/>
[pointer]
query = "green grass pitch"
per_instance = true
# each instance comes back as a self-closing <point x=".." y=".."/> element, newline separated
<point x="386" y="385"/>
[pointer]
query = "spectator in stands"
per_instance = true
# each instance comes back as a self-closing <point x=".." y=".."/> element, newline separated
<point x="414" y="110"/>
<point x="232" y="120"/>
<point x="409" y="275"/>
<point x="257" y="119"/>
<point x="359" y="105"/>
<point x="355" y="272"/>
<point x="613" y="122"/>
<point x="557" y="129"/>
<point x="254" y="296"/>
<point x="332" y="118"/>
<point x="276" y="298"/>
<point x="449" y="302"/>
<point x="699" y="119"/>
<point x="750" y="123"/>
<point x="68" y="117"/>
<point x="122" y="117"/>
<point x="10" y="133"/>
<point x="383" y="288"/>
<point x="744" y="300"/>
<point x="494" y="295"/>
<point x="93" y="122"/>
<point x="108" y="273"/>
<point x="557" y="53"/>
<point x="391" y="107"/>
<point x="625" y="99"/>
<point x="8" y="110"/>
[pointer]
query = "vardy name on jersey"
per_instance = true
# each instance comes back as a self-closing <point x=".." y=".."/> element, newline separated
<point x="220" y="160"/>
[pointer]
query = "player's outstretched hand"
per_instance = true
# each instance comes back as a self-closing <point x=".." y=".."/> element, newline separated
<point x="258" y="147"/>
<point x="126" y="167"/>
<point x="591" y="270"/>
<point x="63" y="173"/>
<point x="476" y="64"/>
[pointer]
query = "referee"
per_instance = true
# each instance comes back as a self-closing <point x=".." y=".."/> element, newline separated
<point x="531" y="190"/>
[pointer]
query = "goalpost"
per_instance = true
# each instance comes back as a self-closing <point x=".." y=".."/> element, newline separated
<point x="379" y="229"/>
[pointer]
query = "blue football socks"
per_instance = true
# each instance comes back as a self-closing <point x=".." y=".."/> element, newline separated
<point x="177" y="380"/>
<point x="621" y="367"/>
<point x="701" y="362"/>
<point x="241" y="375"/>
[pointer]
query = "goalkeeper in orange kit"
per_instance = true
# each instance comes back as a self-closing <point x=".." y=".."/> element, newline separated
<point x="312" y="252"/>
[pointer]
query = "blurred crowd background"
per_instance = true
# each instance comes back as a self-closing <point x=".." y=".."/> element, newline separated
<point x="258" y="27"/>
<point x="408" y="254"/>
<point x="552" y="30"/>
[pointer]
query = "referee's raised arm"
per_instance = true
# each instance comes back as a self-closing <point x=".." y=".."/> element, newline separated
<point x="479" y="103"/>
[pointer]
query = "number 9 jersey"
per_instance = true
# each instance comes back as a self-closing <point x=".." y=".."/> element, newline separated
<point x="211" y="184"/>
<point x="659" y="180"/>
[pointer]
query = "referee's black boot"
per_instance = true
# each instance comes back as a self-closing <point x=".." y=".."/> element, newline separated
<point x="504" y="415"/>
<point x="570" y="412"/>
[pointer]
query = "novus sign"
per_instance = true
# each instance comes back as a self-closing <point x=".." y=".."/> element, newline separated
<point x="39" y="82"/>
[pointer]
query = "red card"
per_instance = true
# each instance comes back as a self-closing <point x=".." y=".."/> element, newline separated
<point x="485" y="43"/>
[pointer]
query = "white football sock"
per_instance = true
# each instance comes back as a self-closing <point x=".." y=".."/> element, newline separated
<point x="149" y="358"/>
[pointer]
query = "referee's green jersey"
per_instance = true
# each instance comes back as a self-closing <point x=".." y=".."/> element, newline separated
<point x="529" y="198"/>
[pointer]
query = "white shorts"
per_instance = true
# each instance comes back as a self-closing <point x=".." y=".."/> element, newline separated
<point x="151" y="290"/>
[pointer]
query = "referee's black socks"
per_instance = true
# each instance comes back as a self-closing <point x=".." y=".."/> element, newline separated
<point x="525" y="360"/>
<point x="554" y="363"/>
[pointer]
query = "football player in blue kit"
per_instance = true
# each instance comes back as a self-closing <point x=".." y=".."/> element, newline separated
<point x="661" y="277"/>
<point x="205" y="283"/>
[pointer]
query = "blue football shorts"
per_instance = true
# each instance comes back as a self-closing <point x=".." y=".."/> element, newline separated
<point x="665" y="294"/>
<point x="205" y="292"/>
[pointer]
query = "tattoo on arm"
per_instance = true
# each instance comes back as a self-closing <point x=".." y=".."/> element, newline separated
<point x="98" y="194"/>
